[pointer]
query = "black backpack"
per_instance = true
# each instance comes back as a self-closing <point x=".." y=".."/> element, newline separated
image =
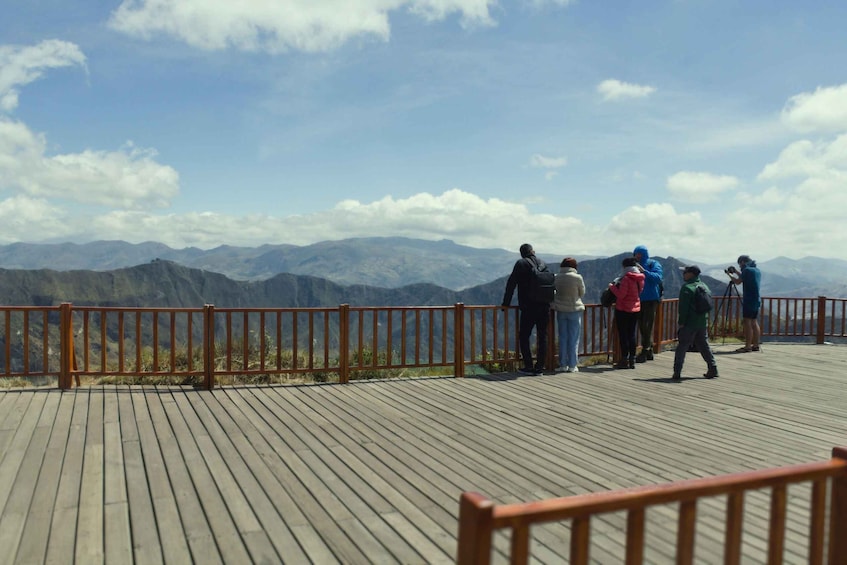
<point x="542" y="286"/>
<point x="702" y="301"/>
<point x="607" y="298"/>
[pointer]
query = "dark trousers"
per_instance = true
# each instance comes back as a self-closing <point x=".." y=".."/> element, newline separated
<point x="627" y="323"/>
<point x="536" y="315"/>
<point x="646" y="322"/>
<point x="700" y="338"/>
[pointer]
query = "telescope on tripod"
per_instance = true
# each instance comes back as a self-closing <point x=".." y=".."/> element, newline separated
<point x="722" y="315"/>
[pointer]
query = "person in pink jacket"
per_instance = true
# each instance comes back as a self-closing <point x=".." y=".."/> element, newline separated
<point x="627" y="290"/>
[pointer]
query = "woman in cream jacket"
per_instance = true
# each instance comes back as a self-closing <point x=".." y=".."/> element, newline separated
<point x="570" y="288"/>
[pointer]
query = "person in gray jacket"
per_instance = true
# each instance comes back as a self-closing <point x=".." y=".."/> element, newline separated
<point x="570" y="288"/>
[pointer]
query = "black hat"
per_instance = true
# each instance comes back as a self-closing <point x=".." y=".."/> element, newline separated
<point x="691" y="269"/>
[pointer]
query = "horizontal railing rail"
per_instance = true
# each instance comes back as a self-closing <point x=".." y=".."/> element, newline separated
<point x="201" y="345"/>
<point x="479" y="517"/>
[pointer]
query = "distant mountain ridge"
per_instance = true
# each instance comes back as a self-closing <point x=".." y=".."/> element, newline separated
<point x="384" y="262"/>
<point x="166" y="284"/>
<point x="391" y="262"/>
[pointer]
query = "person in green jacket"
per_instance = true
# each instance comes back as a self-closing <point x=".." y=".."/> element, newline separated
<point x="693" y="325"/>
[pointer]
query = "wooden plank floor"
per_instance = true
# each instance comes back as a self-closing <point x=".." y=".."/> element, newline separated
<point x="372" y="472"/>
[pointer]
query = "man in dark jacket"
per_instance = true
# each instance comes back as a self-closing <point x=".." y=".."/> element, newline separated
<point x="532" y="314"/>
<point x="692" y="326"/>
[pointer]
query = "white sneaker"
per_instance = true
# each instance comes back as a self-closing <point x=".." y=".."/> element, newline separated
<point x="573" y="369"/>
<point x="562" y="369"/>
<point x="568" y="370"/>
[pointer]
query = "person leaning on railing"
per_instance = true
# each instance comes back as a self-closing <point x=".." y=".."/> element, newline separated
<point x="532" y="314"/>
<point x="570" y="288"/>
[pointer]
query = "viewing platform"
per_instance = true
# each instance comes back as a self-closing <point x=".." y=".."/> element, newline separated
<point x="372" y="471"/>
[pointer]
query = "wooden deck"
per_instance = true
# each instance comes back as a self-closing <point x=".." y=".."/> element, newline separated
<point x="372" y="472"/>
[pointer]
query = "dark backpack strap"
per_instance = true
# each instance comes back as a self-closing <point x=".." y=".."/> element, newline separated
<point x="538" y="267"/>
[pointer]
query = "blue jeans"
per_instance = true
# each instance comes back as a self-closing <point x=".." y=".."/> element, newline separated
<point x="569" y="324"/>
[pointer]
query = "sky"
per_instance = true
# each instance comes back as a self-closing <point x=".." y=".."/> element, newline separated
<point x="702" y="129"/>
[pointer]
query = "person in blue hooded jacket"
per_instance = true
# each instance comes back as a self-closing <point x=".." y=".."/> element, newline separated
<point x="651" y="297"/>
<point x="750" y="277"/>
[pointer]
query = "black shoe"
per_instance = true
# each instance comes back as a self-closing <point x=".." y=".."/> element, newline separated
<point x="539" y="370"/>
<point x="527" y="370"/>
<point x="676" y="377"/>
<point x="622" y="365"/>
<point x="648" y="355"/>
<point x="632" y="363"/>
<point x="712" y="373"/>
<point x="641" y="358"/>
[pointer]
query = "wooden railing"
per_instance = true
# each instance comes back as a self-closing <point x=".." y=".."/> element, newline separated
<point x="341" y="343"/>
<point x="479" y="517"/>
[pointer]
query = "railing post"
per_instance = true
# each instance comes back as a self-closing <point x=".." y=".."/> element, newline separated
<point x="476" y="516"/>
<point x="838" y="513"/>
<point x="459" y="340"/>
<point x="821" y="320"/>
<point x="659" y="327"/>
<point x="66" y="349"/>
<point x="209" y="346"/>
<point x="549" y="362"/>
<point x="614" y="339"/>
<point x="344" y="343"/>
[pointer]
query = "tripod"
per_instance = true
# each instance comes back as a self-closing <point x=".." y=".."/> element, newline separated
<point x="724" y="307"/>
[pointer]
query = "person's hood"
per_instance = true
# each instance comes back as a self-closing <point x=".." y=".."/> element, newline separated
<point x="645" y="254"/>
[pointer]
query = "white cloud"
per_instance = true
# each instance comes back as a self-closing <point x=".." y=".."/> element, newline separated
<point x="807" y="158"/>
<point x="20" y="66"/>
<point x="804" y="220"/>
<point x="26" y="219"/>
<point x="126" y="178"/>
<point x="461" y="216"/>
<point x="769" y="198"/>
<point x="304" y="25"/>
<point x="804" y="215"/>
<point x="542" y="3"/>
<point x="700" y="187"/>
<point x="820" y="171"/>
<point x="638" y="223"/>
<point x="542" y="162"/>
<point x="824" y="110"/>
<point x="613" y="89"/>
<point x="550" y="163"/>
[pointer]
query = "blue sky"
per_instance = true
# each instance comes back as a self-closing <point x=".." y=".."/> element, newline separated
<point x="702" y="129"/>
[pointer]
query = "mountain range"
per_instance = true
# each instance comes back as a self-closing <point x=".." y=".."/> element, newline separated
<point x="361" y="271"/>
